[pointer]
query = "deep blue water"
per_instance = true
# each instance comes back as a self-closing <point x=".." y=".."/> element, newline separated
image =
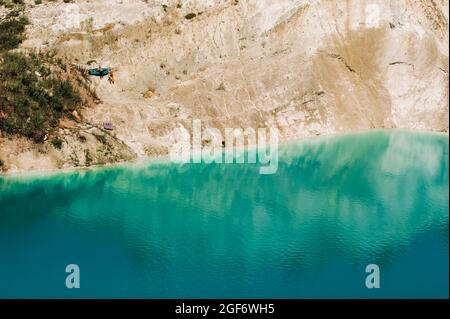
<point x="159" y="230"/>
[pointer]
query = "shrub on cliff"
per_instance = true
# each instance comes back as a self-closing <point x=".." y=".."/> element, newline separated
<point x="33" y="97"/>
<point x="12" y="29"/>
<point x="57" y="143"/>
<point x="37" y="90"/>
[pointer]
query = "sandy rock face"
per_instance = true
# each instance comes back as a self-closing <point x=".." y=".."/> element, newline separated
<point x="307" y="67"/>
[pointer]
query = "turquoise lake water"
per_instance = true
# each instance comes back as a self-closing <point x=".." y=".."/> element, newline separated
<point x="158" y="230"/>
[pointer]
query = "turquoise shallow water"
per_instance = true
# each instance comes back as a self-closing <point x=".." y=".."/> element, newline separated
<point x="159" y="230"/>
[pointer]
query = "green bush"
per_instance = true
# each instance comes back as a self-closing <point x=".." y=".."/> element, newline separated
<point x="35" y="89"/>
<point x="12" y="29"/>
<point x="33" y="97"/>
<point x="2" y="163"/>
<point x="57" y="143"/>
<point x="11" y="3"/>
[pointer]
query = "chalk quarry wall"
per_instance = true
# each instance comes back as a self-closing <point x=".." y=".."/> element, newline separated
<point x="307" y="67"/>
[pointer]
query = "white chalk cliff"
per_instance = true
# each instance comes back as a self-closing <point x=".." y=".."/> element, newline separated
<point x="307" y="67"/>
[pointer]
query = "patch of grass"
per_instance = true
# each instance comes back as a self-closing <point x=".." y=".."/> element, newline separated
<point x="57" y="143"/>
<point x="33" y="97"/>
<point x="12" y="29"/>
<point x="10" y="4"/>
<point x="36" y="90"/>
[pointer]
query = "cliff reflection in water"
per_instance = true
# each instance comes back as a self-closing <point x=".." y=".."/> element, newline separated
<point x="335" y="205"/>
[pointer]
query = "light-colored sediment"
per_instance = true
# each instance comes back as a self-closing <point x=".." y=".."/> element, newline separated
<point x="306" y="67"/>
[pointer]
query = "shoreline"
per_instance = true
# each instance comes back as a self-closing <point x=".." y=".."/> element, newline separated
<point x="164" y="159"/>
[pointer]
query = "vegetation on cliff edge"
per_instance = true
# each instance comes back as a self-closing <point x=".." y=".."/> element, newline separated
<point x="36" y="89"/>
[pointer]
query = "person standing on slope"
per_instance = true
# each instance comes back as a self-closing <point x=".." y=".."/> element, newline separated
<point x="111" y="76"/>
